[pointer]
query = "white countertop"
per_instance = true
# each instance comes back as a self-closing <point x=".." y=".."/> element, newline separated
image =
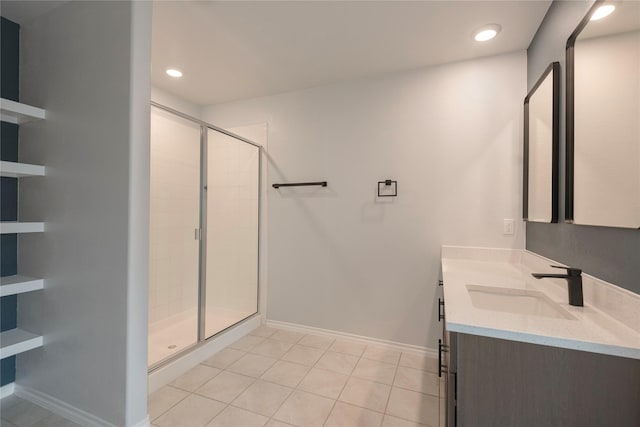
<point x="609" y="322"/>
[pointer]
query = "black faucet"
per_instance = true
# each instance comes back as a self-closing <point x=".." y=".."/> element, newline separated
<point x="574" y="279"/>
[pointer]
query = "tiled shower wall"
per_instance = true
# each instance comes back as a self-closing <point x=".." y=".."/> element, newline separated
<point x="232" y="224"/>
<point x="174" y="216"/>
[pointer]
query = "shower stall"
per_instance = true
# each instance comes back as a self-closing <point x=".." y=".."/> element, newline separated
<point x="204" y="232"/>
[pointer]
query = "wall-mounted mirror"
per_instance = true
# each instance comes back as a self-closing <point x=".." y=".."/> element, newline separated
<point x="541" y="131"/>
<point x="603" y="117"/>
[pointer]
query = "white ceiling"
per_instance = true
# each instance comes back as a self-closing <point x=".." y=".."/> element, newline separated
<point x="626" y="17"/>
<point x="244" y="49"/>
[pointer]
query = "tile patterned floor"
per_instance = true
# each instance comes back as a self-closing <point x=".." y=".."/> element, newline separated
<point x="17" y="412"/>
<point x="278" y="378"/>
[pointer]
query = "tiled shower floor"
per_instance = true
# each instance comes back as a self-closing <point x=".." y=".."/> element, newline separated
<point x="174" y="334"/>
<point x="275" y="378"/>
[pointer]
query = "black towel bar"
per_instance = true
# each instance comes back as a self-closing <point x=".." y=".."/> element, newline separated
<point x="300" y="184"/>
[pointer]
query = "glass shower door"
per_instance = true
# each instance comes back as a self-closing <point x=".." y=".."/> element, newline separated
<point x="232" y="200"/>
<point x="173" y="248"/>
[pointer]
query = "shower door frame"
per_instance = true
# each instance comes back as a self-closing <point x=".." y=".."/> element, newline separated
<point x="202" y="255"/>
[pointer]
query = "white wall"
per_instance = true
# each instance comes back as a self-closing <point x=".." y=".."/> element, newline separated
<point x="177" y="103"/>
<point x="343" y="260"/>
<point x="87" y="64"/>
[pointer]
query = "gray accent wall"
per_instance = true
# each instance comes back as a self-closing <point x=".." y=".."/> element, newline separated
<point x="87" y="64"/>
<point x="611" y="254"/>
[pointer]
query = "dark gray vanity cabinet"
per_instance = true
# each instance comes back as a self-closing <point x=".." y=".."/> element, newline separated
<point x="447" y="368"/>
<point x="496" y="382"/>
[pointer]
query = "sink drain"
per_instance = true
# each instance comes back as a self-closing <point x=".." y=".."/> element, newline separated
<point x="172" y="346"/>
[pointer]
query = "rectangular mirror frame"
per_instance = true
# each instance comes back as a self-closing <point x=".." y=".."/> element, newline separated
<point x="570" y="147"/>
<point x="553" y="68"/>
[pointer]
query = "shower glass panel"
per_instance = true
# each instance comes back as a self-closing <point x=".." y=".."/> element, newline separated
<point x="173" y="249"/>
<point x="233" y="181"/>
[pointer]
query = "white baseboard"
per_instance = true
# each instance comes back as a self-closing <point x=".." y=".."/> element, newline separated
<point x="172" y="370"/>
<point x="60" y="408"/>
<point x="65" y="410"/>
<point x="144" y="423"/>
<point x="7" y="390"/>
<point x="392" y="345"/>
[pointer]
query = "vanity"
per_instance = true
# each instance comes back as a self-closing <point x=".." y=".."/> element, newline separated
<point x="514" y="352"/>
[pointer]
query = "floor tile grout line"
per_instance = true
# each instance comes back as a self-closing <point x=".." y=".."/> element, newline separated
<point x="349" y="376"/>
<point x="335" y="401"/>
<point x="257" y="413"/>
<point x="172" y="406"/>
<point x="242" y="391"/>
<point x="391" y="389"/>
<point x="296" y="387"/>
<point x="230" y="404"/>
<point x="226" y="405"/>
<point x="412" y="421"/>
<point x="393" y="385"/>
<point x="20" y="400"/>
<point x="386" y="406"/>
<point x="416" y="391"/>
<point x="347" y="382"/>
<point x="206" y="381"/>
<point x="390" y="386"/>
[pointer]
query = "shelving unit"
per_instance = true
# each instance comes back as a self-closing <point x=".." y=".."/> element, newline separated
<point x="19" y="170"/>
<point x="15" y="341"/>
<point x="12" y="227"/>
<point x="18" y="113"/>
<point x="16" y="287"/>
<point x="12" y="285"/>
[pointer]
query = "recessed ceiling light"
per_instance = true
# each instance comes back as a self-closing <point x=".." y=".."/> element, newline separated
<point x="603" y="11"/>
<point x="487" y="32"/>
<point x="174" y="73"/>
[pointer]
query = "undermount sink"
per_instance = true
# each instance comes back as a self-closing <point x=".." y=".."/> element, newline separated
<point x="517" y="301"/>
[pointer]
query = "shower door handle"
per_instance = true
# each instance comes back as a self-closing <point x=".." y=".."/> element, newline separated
<point x="197" y="235"/>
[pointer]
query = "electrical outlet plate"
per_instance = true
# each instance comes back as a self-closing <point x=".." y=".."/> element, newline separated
<point x="508" y="226"/>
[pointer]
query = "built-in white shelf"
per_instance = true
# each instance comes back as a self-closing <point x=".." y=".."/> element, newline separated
<point x="21" y="227"/>
<point x="11" y="285"/>
<point x="16" y="341"/>
<point x="16" y="112"/>
<point x="19" y="170"/>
